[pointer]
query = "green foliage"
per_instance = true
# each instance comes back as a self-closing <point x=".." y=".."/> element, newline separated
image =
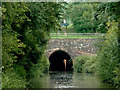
<point x="92" y="17"/>
<point x="43" y="17"/>
<point x="20" y="70"/>
<point x="81" y="16"/>
<point x="41" y="67"/>
<point x="105" y="12"/>
<point x="78" y="63"/>
<point x="108" y="55"/>
<point x="109" y="49"/>
<point x="12" y="80"/>
<point x="117" y="76"/>
<point x="26" y="28"/>
<point x="11" y="45"/>
<point x="85" y="63"/>
<point x="90" y="64"/>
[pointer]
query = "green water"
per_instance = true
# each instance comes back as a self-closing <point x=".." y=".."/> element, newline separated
<point x="67" y="80"/>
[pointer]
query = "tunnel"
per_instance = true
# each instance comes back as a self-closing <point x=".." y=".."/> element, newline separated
<point x="57" y="61"/>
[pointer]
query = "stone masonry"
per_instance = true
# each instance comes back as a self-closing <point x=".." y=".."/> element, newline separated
<point x="74" y="47"/>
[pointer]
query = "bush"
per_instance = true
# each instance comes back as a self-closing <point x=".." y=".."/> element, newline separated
<point x="90" y="64"/>
<point x="12" y="80"/>
<point x="20" y="70"/>
<point x="108" y="58"/>
<point x="78" y="63"/>
<point x="41" y="67"/>
<point x="85" y="63"/>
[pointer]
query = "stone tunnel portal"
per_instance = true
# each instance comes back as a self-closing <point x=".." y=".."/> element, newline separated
<point x="57" y="61"/>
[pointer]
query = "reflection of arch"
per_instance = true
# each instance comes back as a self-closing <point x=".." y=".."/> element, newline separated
<point x="57" y="61"/>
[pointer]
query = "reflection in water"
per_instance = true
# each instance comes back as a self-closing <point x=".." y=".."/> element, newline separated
<point x="61" y="79"/>
<point x="69" y="79"/>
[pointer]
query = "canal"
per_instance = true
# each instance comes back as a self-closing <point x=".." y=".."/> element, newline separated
<point x="70" y="79"/>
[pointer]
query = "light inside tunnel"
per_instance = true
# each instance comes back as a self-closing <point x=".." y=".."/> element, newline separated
<point x="57" y="61"/>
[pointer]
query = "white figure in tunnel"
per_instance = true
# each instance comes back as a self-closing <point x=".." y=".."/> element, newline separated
<point x="65" y="63"/>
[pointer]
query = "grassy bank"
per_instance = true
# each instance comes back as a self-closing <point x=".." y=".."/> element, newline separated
<point x="74" y="36"/>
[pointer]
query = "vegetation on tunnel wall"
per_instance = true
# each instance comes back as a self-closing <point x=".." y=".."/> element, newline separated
<point x="25" y="33"/>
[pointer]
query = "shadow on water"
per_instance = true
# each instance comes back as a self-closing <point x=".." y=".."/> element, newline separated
<point x="70" y="79"/>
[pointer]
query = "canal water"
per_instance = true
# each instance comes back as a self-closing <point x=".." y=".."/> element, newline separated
<point x="57" y="79"/>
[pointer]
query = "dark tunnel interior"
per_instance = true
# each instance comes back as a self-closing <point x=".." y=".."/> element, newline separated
<point x="57" y="61"/>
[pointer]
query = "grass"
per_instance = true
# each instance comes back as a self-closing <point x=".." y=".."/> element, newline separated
<point x="73" y="36"/>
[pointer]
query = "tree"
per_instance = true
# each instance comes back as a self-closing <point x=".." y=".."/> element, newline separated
<point x="81" y="16"/>
<point x="108" y="54"/>
<point x="26" y="31"/>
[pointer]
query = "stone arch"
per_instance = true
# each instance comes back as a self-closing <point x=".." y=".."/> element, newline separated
<point x="56" y="49"/>
<point x="56" y="59"/>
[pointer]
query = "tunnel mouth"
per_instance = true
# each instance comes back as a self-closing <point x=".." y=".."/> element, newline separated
<point x="57" y="61"/>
